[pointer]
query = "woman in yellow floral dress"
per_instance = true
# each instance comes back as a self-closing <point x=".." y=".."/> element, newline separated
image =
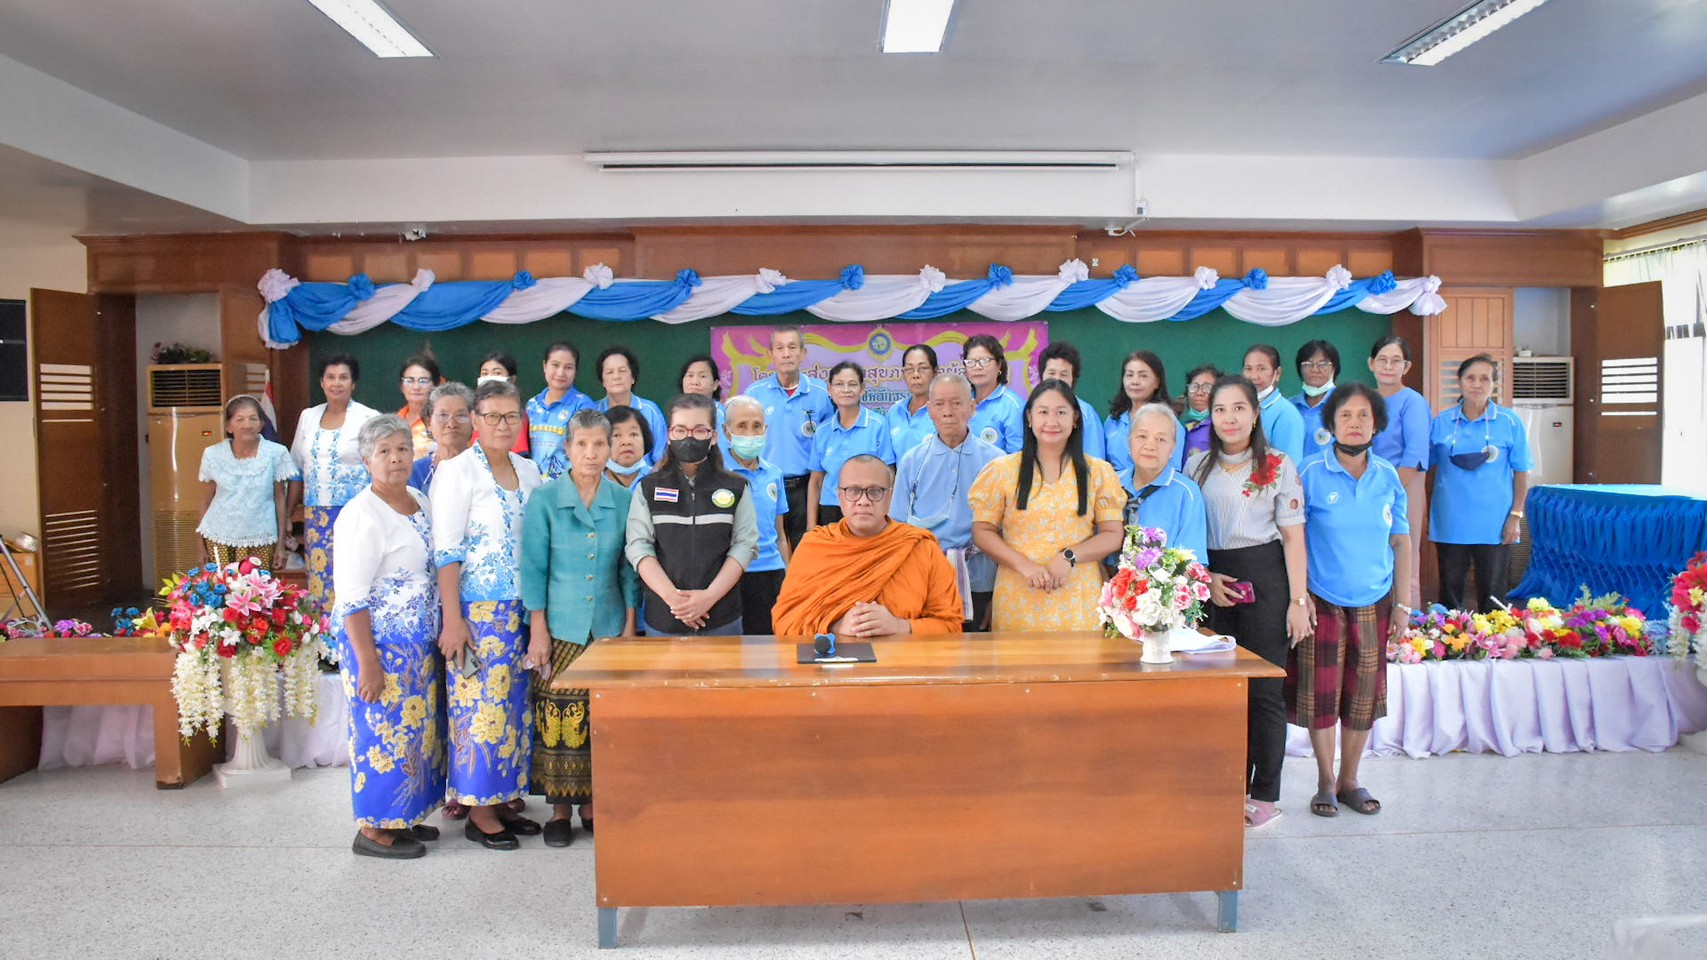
<point x="1048" y="515"/>
<point x="388" y="619"/>
<point x="479" y="498"/>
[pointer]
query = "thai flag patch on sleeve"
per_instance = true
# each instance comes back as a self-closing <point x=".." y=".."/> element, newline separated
<point x="665" y="495"/>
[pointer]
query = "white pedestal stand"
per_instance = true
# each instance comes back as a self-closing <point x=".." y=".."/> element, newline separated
<point x="250" y="763"/>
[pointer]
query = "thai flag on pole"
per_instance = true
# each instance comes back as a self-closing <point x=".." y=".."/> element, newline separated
<point x="269" y="414"/>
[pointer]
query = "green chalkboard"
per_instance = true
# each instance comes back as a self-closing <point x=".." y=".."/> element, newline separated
<point x="1214" y="338"/>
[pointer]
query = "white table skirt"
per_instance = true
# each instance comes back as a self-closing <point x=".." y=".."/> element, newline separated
<point x="1530" y="706"/>
<point x="84" y="736"/>
<point x="1504" y="707"/>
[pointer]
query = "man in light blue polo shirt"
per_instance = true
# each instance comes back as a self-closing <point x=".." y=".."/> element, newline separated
<point x="1061" y="362"/>
<point x="1318" y="364"/>
<point x="794" y="406"/>
<point x="743" y="434"/>
<point x="931" y="486"/>
<point x="1281" y="422"/>
<point x="1159" y="495"/>
<point x="910" y="417"/>
<point x="998" y="415"/>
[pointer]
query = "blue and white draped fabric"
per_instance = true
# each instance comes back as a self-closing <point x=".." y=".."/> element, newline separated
<point x="478" y="523"/>
<point x="854" y="297"/>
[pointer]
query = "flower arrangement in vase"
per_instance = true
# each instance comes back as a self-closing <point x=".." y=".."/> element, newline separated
<point x="1688" y="620"/>
<point x="1156" y="589"/>
<point x="237" y="628"/>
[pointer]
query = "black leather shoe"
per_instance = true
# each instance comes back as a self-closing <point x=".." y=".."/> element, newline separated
<point x="586" y="823"/>
<point x="520" y="826"/>
<point x="422" y="831"/>
<point x="400" y="848"/>
<point x="502" y="840"/>
<point x="559" y="833"/>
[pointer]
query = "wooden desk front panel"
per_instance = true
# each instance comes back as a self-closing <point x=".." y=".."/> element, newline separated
<point x="905" y="793"/>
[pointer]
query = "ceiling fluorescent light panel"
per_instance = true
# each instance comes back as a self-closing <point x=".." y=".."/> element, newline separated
<point x="377" y="29"/>
<point x="1467" y="26"/>
<point x="915" y="26"/>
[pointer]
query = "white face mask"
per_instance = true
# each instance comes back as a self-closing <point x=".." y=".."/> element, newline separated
<point x="490" y="378"/>
<point x="1264" y="394"/>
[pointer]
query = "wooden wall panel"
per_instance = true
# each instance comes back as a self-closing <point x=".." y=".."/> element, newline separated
<point x="1538" y="259"/>
<point x="187" y="263"/>
<point x="1477" y="320"/>
<point x="821" y="252"/>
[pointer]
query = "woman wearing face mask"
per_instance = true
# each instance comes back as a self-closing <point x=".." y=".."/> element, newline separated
<point x="499" y="365"/>
<point x="450" y="415"/>
<point x="1194" y="406"/>
<point x="332" y="469"/>
<point x="691" y="564"/>
<point x="1404" y="441"/>
<point x="1318" y="364"/>
<point x="1481" y="459"/>
<point x="851" y="431"/>
<point x="1258" y="568"/>
<point x="631" y="438"/>
<point x="1143" y="380"/>
<point x="577" y="588"/>
<point x="744" y="432"/>
<point x="619" y="371"/>
<point x="420" y="374"/>
<point x="245" y="478"/>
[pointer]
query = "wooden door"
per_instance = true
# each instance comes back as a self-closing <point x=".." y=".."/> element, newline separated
<point x="84" y="376"/>
<point x="1618" y="336"/>
<point x="1475" y="321"/>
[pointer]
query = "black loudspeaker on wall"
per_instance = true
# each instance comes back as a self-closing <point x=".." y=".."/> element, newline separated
<point x="14" y="352"/>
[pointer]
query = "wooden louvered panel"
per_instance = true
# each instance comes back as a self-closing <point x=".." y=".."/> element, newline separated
<point x="72" y="541"/>
<point x="174" y="542"/>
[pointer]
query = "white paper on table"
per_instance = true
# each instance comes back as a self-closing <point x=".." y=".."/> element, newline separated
<point x="1190" y="641"/>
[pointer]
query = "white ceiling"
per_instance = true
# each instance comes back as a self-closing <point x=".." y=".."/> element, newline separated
<point x="273" y="79"/>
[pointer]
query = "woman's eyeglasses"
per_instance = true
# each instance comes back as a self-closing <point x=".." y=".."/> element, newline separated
<point x="698" y="433"/>
<point x="501" y="419"/>
<point x="452" y="418"/>
<point x="417" y="381"/>
<point x="979" y="362"/>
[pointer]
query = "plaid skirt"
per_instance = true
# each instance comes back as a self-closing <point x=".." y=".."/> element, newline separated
<point x="1340" y="674"/>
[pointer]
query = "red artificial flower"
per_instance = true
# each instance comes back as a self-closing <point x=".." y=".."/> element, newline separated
<point x="231" y="616"/>
<point x="280" y="616"/>
<point x="282" y="646"/>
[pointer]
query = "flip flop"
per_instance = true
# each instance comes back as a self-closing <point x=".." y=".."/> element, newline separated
<point x="1360" y="801"/>
<point x="1323" y="805"/>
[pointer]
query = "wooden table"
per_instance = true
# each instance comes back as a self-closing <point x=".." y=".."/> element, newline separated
<point x="977" y="766"/>
<point x="93" y="671"/>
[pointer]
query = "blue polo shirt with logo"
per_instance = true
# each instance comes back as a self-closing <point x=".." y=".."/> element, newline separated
<point x="764" y="485"/>
<point x="792" y="420"/>
<point x="999" y="420"/>
<point x="1471" y="506"/>
<point x="1347" y="523"/>
<point x="835" y="445"/>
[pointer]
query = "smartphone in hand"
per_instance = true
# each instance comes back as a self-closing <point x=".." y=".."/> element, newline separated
<point x="1243" y="591"/>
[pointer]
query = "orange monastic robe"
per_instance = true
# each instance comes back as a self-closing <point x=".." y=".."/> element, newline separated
<point x="902" y="568"/>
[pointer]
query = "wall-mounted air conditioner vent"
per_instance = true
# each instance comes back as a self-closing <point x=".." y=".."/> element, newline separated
<point x="181" y="385"/>
<point x="1542" y="378"/>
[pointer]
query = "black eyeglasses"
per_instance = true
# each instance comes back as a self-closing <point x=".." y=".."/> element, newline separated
<point x="873" y="494"/>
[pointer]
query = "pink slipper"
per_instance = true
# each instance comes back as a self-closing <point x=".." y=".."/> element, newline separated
<point x="1260" y="813"/>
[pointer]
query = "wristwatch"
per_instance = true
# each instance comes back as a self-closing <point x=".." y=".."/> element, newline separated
<point x="1071" y="558"/>
<point x="1517" y="513"/>
<point x="1301" y="601"/>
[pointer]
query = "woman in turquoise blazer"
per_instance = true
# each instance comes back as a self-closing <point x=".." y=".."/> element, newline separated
<point x="578" y="587"/>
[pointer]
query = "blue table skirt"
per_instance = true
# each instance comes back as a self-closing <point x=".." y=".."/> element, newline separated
<point x="1625" y="538"/>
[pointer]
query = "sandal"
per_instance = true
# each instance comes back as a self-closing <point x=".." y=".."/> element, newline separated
<point x="1361" y="801"/>
<point x="1260" y="813"/>
<point x="1323" y="805"/>
<point x="455" y="811"/>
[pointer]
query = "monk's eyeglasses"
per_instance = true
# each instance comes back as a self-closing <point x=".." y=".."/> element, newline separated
<point x="874" y="494"/>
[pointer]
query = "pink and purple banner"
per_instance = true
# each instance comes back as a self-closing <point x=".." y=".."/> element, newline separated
<point x="743" y="353"/>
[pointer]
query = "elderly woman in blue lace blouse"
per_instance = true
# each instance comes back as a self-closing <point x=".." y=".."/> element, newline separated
<point x="479" y="502"/>
<point x="244" y="479"/>
<point x="388" y="619"/>
<point x="332" y="471"/>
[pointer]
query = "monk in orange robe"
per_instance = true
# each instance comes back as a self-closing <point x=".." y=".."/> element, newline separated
<point x="867" y="576"/>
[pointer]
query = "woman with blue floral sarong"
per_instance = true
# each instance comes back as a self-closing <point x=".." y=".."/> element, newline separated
<point x="479" y="501"/>
<point x="332" y="471"/>
<point x="388" y="620"/>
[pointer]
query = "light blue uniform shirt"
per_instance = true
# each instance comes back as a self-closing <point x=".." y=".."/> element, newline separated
<point x="764" y="485"/>
<point x="1471" y="506"/>
<point x="908" y="430"/>
<point x="1283" y="425"/>
<point x="547" y="426"/>
<point x="1176" y="506"/>
<point x="655" y="421"/>
<point x="1404" y="443"/>
<point x="1096" y="440"/>
<point x="1318" y="436"/>
<point x="790" y="421"/>
<point x="999" y="420"/>
<point x="1117" y="436"/>
<point x="835" y="444"/>
<point x="932" y="484"/>
<point x="1347" y="523"/>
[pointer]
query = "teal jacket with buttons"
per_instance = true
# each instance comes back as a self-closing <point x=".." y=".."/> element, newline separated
<point x="572" y="560"/>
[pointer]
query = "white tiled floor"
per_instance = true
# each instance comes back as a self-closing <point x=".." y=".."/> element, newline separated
<point x="1474" y="856"/>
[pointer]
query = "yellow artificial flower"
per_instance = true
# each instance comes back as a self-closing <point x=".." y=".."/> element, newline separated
<point x="1631" y="625"/>
<point x="498" y="682"/>
<point x="1422" y="645"/>
<point x="414" y="711"/>
<point x="1697" y="597"/>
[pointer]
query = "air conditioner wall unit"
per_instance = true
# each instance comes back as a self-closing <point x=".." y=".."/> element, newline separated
<point x="1543" y="380"/>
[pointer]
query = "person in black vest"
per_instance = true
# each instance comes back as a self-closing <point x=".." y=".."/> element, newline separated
<point x="692" y="530"/>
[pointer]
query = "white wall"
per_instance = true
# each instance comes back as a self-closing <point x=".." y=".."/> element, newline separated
<point x="1541" y="320"/>
<point x="30" y="256"/>
<point x="193" y="320"/>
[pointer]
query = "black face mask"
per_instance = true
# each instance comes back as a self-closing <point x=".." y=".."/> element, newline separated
<point x="1352" y="449"/>
<point x="1471" y="461"/>
<point x="689" y="450"/>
